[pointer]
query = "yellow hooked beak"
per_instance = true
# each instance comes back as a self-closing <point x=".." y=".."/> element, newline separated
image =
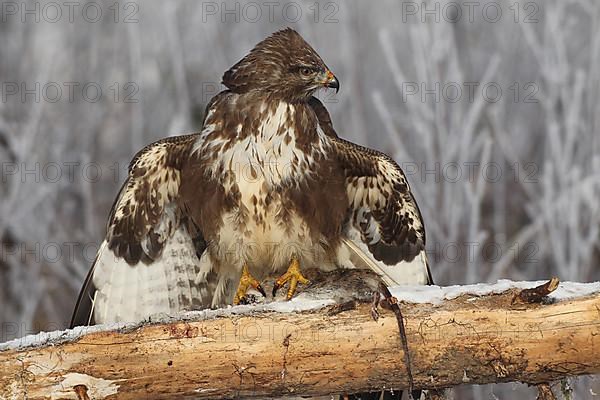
<point x="330" y="81"/>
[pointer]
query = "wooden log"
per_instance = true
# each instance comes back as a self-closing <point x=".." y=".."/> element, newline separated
<point x="260" y="351"/>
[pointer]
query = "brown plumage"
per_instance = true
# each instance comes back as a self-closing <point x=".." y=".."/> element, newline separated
<point x="281" y="66"/>
<point x="266" y="181"/>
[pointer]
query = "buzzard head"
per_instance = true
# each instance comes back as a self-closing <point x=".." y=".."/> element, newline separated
<point x="283" y="66"/>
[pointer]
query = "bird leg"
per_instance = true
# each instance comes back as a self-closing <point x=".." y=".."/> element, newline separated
<point x="246" y="281"/>
<point x="293" y="276"/>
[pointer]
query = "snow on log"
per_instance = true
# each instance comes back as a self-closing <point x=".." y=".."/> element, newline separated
<point x="322" y="342"/>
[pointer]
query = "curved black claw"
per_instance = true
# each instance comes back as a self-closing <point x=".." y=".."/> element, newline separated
<point x="250" y="298"/>
<point x="293" y="276"/>
<point x="261" y="290"/>
<point x="276" y="287"/>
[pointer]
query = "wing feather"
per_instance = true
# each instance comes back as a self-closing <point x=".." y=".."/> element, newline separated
<point x="146" y="234"/>
<point x="134" y="230"/>
<point x="382" y="207"/>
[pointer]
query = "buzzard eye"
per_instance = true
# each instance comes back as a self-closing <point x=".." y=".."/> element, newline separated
<point x="305" y="71"/>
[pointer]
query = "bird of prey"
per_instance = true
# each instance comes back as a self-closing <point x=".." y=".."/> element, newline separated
<point x="267" y="187"/>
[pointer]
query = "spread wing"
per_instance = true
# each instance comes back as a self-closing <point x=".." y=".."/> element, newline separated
<point x="149" y="260"/>
<point x="384" y="219"/>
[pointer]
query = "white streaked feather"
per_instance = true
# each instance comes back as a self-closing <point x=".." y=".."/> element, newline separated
<point x="414" y="272"/>
<point x="266" y="151"/>
<point x="134" y="286"/>
<point x="220" y="291"/>
<point x="128" y="293"/>
<point x="365" y="260"/>
<point x="143" y="287"/>
<point x="89" y="320"/>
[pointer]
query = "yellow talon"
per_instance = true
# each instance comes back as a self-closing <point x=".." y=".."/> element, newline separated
<point x="246" y="281"/>
<point x="294" y="276"/>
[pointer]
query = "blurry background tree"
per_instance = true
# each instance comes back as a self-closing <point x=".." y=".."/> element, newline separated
<point x="490" y="107"/>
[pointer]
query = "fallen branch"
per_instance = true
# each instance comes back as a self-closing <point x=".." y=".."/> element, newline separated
<point x="323" y="342"/>
<point x="537" y="294"/>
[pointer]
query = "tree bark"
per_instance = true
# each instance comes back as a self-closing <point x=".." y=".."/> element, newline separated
<point x="334" y="349"/>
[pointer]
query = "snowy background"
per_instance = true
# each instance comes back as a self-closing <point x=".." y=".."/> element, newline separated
<point x="489" y="106"/>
